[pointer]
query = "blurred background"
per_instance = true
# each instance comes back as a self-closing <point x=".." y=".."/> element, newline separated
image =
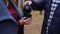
<point x="37" y="19"/>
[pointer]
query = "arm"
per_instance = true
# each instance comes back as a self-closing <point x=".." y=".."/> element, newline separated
<point x="38" y="4"/>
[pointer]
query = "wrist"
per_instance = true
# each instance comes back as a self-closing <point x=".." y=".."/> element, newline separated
<point x="21" y="22"/>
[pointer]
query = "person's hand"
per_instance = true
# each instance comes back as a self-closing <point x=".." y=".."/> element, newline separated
<point x="28" y="2"/>
<point x="25" y="21"/>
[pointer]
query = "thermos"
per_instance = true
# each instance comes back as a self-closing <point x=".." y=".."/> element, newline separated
<point x="27" y="11"/>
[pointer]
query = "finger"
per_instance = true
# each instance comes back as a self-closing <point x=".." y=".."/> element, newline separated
<point x="26" y="2"/>
<point x="29" y="19"/>
<point x="23" y="18"/>
<point x="30" y="3"/>
<point x="28" y="22"/>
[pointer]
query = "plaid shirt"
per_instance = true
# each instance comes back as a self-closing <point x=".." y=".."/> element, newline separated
<point x="14" y="14"/>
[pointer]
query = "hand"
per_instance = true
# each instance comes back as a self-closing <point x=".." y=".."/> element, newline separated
<point x="26" y="21"/>
<point x="28" y="2"/>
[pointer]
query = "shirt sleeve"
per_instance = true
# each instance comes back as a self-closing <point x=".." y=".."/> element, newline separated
<point x="38" y="4"/>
